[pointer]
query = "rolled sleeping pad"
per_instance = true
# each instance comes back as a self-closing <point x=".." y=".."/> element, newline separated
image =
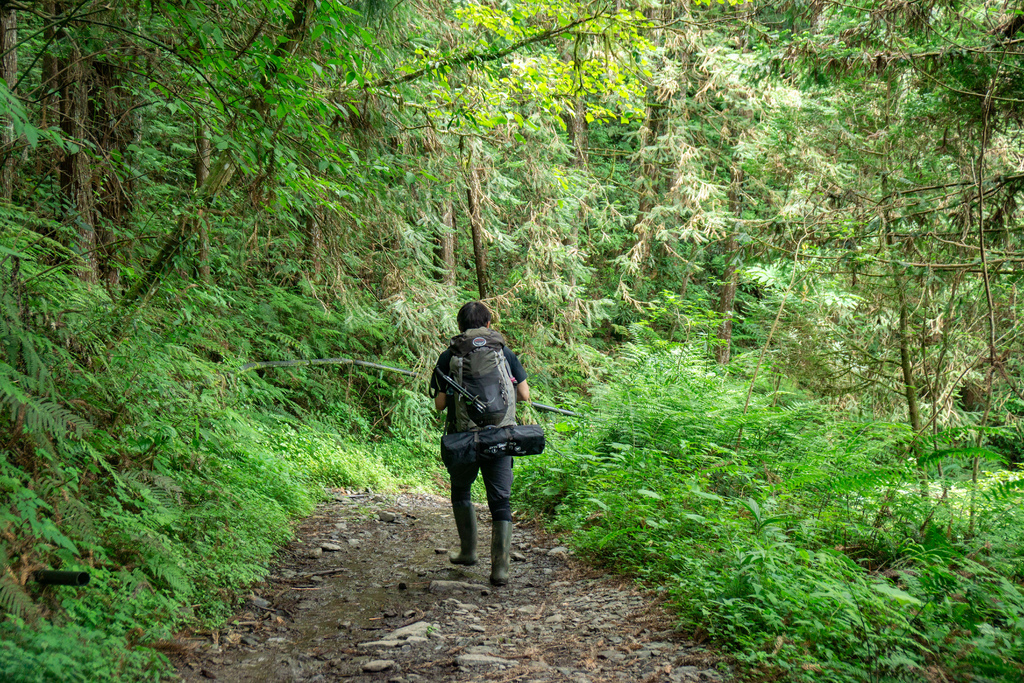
<point x="52" y="577"/>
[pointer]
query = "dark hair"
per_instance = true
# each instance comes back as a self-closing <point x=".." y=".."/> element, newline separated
<point x="473" y="315"/>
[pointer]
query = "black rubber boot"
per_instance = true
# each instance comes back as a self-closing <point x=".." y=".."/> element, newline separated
<point x="501" y="544"/>
<point x="465" y="522"/>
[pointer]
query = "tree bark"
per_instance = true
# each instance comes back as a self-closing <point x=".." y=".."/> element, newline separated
<point x="577" y="125"/>
<point x="909" y="386"/>
<point x="578" y="137"/>
<point x="315" y="238"/>
<point x="202" y="169"/>
<point x="8" y="72"/>
<point x="202" y="164"/>
<point x="906" y="363"/>
<point x="75" y="168"/>
<point x="113" y="129"/>
<point x="446" y="245"/>
<point x="476" y="223"/>
<point x="727" y="293"/>
<point x="726" y="300"/>
<point x="650" y="171"/>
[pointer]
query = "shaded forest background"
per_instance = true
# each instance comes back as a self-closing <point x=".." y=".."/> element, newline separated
<point x="773" y="250"/>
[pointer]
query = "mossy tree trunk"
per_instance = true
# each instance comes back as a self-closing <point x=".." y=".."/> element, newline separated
<point x="9" y="73"/>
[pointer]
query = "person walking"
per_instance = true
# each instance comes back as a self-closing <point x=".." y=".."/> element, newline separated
<point x="479" y="361"/>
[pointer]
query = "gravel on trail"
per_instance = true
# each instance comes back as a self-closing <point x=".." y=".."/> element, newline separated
<point x="365" y="593"/>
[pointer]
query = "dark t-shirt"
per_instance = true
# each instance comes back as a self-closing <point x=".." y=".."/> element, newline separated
<point x="444" y="364"/>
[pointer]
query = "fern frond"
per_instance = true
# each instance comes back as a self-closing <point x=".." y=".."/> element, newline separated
<point x="1006" y="489"/>
<point x="159" y="567"/>
<point x="970" y="452"/>
<point x="13" y="598"/>
<point x="41" y="415"/>
<point x="867" y="479"/>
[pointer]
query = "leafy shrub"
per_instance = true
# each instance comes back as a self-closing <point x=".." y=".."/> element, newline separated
<point x="796" y="538"/>
<point x="54" y="654"/>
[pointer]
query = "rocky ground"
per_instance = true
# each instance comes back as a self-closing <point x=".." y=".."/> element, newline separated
<point x="366" y="593"/>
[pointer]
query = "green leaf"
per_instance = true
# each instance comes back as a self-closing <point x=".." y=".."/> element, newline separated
<point x="895" y="593"/>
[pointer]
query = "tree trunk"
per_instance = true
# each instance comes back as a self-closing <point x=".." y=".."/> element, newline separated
<point x="650" y="171"/>
<point x="202" y="164"/>
<point x="202" y="168"/>
<point x="446" y="245"/>
<point x="476" y="223"/>
<point x="906" y="364"/>
<point x="577" y="125"/>
<point x="75" y="168"/>
<point x="315" y="238"/>
<point x="909" y="387"/>
<point x="726" y="299"/>
<point x="727" y="293"/>
<point x="578" y="137"/>
<point x="113" y="129"/>
<point x="8" y="72"/>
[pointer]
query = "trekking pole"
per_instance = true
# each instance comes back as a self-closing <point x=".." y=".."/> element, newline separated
<point x="377" y="366"/>
<point x="462" y="391"/>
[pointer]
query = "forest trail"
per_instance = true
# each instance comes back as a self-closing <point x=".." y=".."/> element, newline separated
<point x="365" y="593"/>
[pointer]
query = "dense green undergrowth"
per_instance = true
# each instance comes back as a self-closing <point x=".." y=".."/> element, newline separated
<point x="137" y="452"/>
<point x="795" y="538"/>
<point x="145" y="460"/>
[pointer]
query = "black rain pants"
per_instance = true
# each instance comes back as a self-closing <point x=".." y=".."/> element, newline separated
<point x="497" y="474"/>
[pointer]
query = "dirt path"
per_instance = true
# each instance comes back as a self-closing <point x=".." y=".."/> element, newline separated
<point x="366" y="593"/>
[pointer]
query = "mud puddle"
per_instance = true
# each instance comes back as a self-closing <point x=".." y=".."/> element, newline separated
<point x="366" y="593"/>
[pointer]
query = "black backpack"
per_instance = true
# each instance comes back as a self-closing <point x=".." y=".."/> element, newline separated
<point x="478" y="364"/>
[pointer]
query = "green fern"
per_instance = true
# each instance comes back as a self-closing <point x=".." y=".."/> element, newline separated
<point x="41" y="416"/>
<point x="942" y="455"/>
<point x="13" y="598"/>
<point x="1006" y="489"/>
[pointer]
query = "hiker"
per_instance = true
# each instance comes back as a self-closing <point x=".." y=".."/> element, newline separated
<point x="480" y="362"/>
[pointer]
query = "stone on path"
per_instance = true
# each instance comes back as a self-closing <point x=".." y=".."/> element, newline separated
<point x="483" y="660"/>
<point x="386" y="516"/>
<point x="330" y="547"/>
<point x="382" y="643"/>
<point x="378" y="665"/>
<point x="449" y="586"/>
<point x="420" y="629"/>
